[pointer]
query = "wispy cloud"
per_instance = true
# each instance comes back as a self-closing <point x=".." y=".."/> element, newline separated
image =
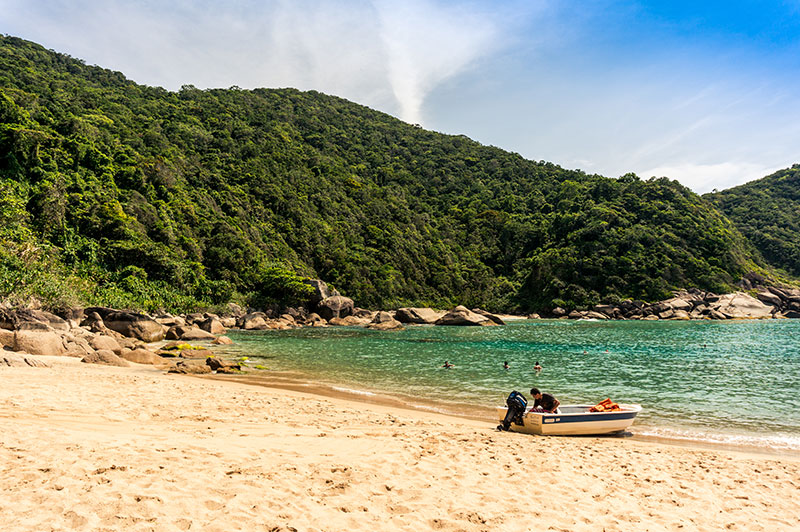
<point x="382" y="53"/>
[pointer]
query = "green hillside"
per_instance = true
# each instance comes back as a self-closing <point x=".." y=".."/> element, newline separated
<point x="767" y="212"/>
<point x="122" y="194"/>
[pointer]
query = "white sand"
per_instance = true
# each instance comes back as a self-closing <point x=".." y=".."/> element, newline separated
<point x="97" y="448"/>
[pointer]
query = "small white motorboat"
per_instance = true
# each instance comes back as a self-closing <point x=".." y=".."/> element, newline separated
<point x="574" y="420"/>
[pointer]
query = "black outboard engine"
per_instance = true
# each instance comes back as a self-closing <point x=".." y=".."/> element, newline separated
<point x="516" y="404"/>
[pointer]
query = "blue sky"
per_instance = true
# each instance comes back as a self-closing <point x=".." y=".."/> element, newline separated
<point x="707" y="93"/>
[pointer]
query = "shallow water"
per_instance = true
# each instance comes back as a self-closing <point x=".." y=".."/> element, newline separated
<point x="733" y="382"/>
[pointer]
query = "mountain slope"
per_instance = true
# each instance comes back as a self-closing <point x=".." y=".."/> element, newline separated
<point x="767" y="212"/>
<point x="178" y="199"/>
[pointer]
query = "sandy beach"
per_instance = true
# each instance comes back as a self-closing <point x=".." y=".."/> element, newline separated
<point x="100" y="448"/>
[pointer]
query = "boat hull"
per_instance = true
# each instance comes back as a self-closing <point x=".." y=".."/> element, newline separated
<point x="574" y="420"/>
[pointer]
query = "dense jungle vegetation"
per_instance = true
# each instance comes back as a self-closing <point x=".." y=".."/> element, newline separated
<point x="767" y="212"/>
<point x="127" y="195"/>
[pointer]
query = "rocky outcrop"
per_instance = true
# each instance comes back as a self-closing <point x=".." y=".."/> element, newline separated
<point x="742" y="305"/>
<point x="253" y="321"/>
<point x="100" y="341"/>
<point x="190" y="367"/>
<point x="222" y="340"/>
<point x="188" y="333"/>
<point x="130" y="324"/>
<point x="222" y="366"/>
<point x="37" y="338"/>
<point x="335" y="307"/>
<point x="418" y="315"/>
<point x="20" y="361"/>
<point x="383" y="321"/>
<point x="141" y="356"/>
<point x="13" y="319"/>
<point x="497" y="320"/>
<point x="106" y="358"/>
<point x="213" y="326"/>
<point x="349" y="321"/>
<point x="320" y="292"/>
<point x="462" y="316"/>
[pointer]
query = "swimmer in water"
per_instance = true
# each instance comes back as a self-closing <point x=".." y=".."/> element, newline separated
<point x="505" y="365"/>
<point x="538" y="368"/>
<point x="447" y="365"/>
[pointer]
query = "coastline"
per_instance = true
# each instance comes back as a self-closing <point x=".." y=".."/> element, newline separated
<point x="93" y="447"/>
<point x="483" y="415"/>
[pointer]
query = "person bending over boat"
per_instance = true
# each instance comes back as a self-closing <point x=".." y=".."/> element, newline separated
<point x="544" y="402"/>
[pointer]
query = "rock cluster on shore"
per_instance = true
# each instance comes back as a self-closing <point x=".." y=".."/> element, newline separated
<point x="109" y="336"/>
<point x="100" y="335"/>
<point x="769" y="302"/>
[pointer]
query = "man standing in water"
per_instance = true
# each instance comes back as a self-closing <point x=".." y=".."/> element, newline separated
<point x="543" y="402"/>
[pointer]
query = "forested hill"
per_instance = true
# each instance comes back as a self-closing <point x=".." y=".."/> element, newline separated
<point x="767" y="212"/>
<point x="123" y="194"/>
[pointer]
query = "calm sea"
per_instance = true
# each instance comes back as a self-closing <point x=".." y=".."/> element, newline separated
<point x="734" y="382"/>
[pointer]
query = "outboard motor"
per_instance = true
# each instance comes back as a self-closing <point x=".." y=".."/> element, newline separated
<point x="516" y="404"/>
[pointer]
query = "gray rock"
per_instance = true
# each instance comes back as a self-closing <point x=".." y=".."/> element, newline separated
<point x="335" y="307"/>
<point x="769" y="298"/>
<point x="213" y="326"/>
<point x="497" y="320"/>
<point x="253" y="321"/>
<point x="188" y="333"/>
<point x="190" y="367"/>
<point x="141" y="356"/>
<point x="100" y="341"/>
<point x="105" y="357"/>
<point x="134" y="325"/>
<point x="742" y="305"/>
<point x="461" y="316"/>
<point x="418" y="315"/>
<point x="321" y="291"/>
<point x="37" y="341"/>
<point x="222" y="366"/>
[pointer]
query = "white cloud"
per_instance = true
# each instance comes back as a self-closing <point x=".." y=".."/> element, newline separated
<point x="704" y="178"/>
<point x="382" y="53"/>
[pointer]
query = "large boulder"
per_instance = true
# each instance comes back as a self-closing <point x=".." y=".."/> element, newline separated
<point x="741" y="305"/>
<point x="134" y="325"/>
<point x="13" y="319"/>
<point x="769" y="298"/>
<point x="77" y="346"/>
<point x="100" y="341"/>
<point x="320" y="293"/>
<point x="222" y="366"/>
<point x="141" y="356"/>
<point x="37" y="338"/>
<point x="6" y="339"/>
<point x="188" y="333"/>
<point x="462" y="316"/>
<point x="222" y="340"/>
<point x="335" y="307"/>
<point x="253" y="321"/>
<point x="497" y="320"/>
<point x="419" y="315"/>
<point x="213" y="326"/>
<point x="190" y="367"/>
<point x="349" y="321"/>
<point x="106" y="358"/>
<point x="383" y="321"/>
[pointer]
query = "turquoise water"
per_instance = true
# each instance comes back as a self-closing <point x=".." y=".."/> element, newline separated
<point x="732" y="382"/>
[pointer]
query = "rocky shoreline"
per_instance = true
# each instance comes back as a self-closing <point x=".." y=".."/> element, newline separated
<point x="109" y="336"/>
